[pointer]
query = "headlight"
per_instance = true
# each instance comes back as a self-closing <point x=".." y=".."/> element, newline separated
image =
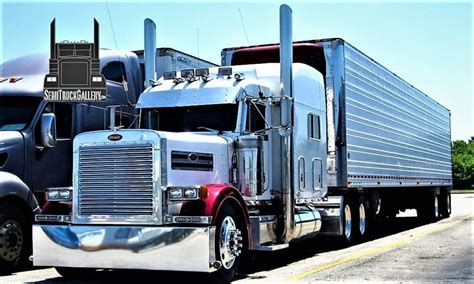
<point x="96" y="79"/>
<point x="176" y="193"/>
<point x="50" y="79"/>
<point x="190" y="193"/>
<point x="63" y="194"/>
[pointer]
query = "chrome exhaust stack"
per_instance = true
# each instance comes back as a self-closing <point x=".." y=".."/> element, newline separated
<point x="150" y="52"/>
<point x="286" y="108"/>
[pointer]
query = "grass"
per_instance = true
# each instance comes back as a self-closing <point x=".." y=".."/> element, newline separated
<point x="462" y="191"/>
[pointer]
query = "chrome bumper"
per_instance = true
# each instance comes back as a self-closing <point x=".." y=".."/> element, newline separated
<point x="125" y="247"/>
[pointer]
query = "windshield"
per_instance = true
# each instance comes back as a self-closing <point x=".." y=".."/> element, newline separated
<point x="192" y="118"/>
<point x="17" y="112"/>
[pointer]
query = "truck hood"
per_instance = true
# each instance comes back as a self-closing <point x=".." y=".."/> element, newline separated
<point x="196" y="159"/>
<point x="11" y="152"/>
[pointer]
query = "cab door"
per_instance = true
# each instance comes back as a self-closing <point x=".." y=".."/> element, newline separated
<point x="52" y="167"/>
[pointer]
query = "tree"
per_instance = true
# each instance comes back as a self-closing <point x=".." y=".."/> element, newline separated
<point x="463" y="164"/>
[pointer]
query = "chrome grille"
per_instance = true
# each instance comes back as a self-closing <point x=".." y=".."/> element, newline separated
<point x="116" y="180"/>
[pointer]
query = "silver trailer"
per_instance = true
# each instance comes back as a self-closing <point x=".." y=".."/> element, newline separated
<point x="382" y="131"/>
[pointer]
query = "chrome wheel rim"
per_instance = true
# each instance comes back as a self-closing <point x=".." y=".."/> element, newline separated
<point x="11" y="240"/>
<point x="347" y="222"/>
<point x="362" y="219"/>
<point x="230" y="242"/>
<point x="448" y="204"/>
<point x="379" y="206"/>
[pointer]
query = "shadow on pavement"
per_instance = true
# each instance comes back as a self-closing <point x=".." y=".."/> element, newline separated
<point x="260" y="261"/>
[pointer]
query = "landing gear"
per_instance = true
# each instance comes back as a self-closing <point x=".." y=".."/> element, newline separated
<point x="15" y="238"/>
<point x="229" y="242"/>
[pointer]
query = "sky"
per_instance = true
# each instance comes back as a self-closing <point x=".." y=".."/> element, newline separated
<point x="429" y="44"/>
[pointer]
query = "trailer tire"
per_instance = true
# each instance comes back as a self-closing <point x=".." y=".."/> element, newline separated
<point x="446" y="204"/>
<point x="15" y="238"/>
<point x="429" y="208"/>
<point x="229" y="242"/>
<point x="362" y="218"/>
<point x="348" y="224"/>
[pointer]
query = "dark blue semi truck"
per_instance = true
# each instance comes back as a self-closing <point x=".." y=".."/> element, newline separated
<point x="28" y="165"/>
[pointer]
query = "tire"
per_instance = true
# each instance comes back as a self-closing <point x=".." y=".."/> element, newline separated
<point x="348" y="226"/>
<point x="15" y="238"/>
<point x="71" y="273"/>
<point x="446" y="204"/>
<point x="229" y="242"/>
<point x="362" y="219"/>
<point x="429" y="210"/>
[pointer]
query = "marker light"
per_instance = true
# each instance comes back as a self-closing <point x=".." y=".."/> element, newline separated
<point x="187" y="73"/>
<point x="15" y="79"/>
<point x="224" y="71"/>
<point x="169" y="75"/>
<point x="202" y="72"/>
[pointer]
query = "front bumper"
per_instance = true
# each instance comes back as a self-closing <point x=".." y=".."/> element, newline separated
<point x="125" y="247"/>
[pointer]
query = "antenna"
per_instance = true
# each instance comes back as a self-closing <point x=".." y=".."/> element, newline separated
<point x="111" y="24"/>
<point x="96" y="39"/>
<point x="243" y="25"/>
<point x="197" y="35"/>
<point x="52" y="39"/>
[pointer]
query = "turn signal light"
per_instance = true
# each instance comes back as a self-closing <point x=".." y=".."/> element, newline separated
<point x="15" y="79"/>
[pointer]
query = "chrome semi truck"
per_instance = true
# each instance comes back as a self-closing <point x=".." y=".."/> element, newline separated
<point x="251" y="157"/>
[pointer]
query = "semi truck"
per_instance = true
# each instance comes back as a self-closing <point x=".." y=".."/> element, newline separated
<point x="282" y="143"/>
<point x="33" y="159"/>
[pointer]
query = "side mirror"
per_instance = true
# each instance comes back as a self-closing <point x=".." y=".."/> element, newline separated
<point x="48" y="130"/>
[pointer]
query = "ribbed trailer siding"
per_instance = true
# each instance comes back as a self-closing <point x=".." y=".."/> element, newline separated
<point x="382" y="131"/>
<point x="395" y="134"/>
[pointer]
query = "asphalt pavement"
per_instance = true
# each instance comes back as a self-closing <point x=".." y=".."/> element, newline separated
<point x="404" y="250"/>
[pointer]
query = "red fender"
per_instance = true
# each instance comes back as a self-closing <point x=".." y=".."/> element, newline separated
<point x="217" y="195"/>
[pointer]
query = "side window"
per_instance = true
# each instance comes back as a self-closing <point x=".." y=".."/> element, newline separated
<point x="114" y="71"/>
<point x="255" y="117"/>
<point x="314" y="130"/>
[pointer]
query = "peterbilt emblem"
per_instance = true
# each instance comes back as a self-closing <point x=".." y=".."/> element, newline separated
<point x="193" y="157"/>
<point x="114" y="137"/>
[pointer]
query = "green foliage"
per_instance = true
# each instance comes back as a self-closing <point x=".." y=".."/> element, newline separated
<point x="463" y="164"/>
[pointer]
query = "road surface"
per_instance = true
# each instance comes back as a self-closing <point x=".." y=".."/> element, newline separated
<point x="402" y="251"/>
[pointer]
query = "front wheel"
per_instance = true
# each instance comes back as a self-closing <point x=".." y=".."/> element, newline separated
<point x="15" y="238"/>
<point x="229" y="242"/>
